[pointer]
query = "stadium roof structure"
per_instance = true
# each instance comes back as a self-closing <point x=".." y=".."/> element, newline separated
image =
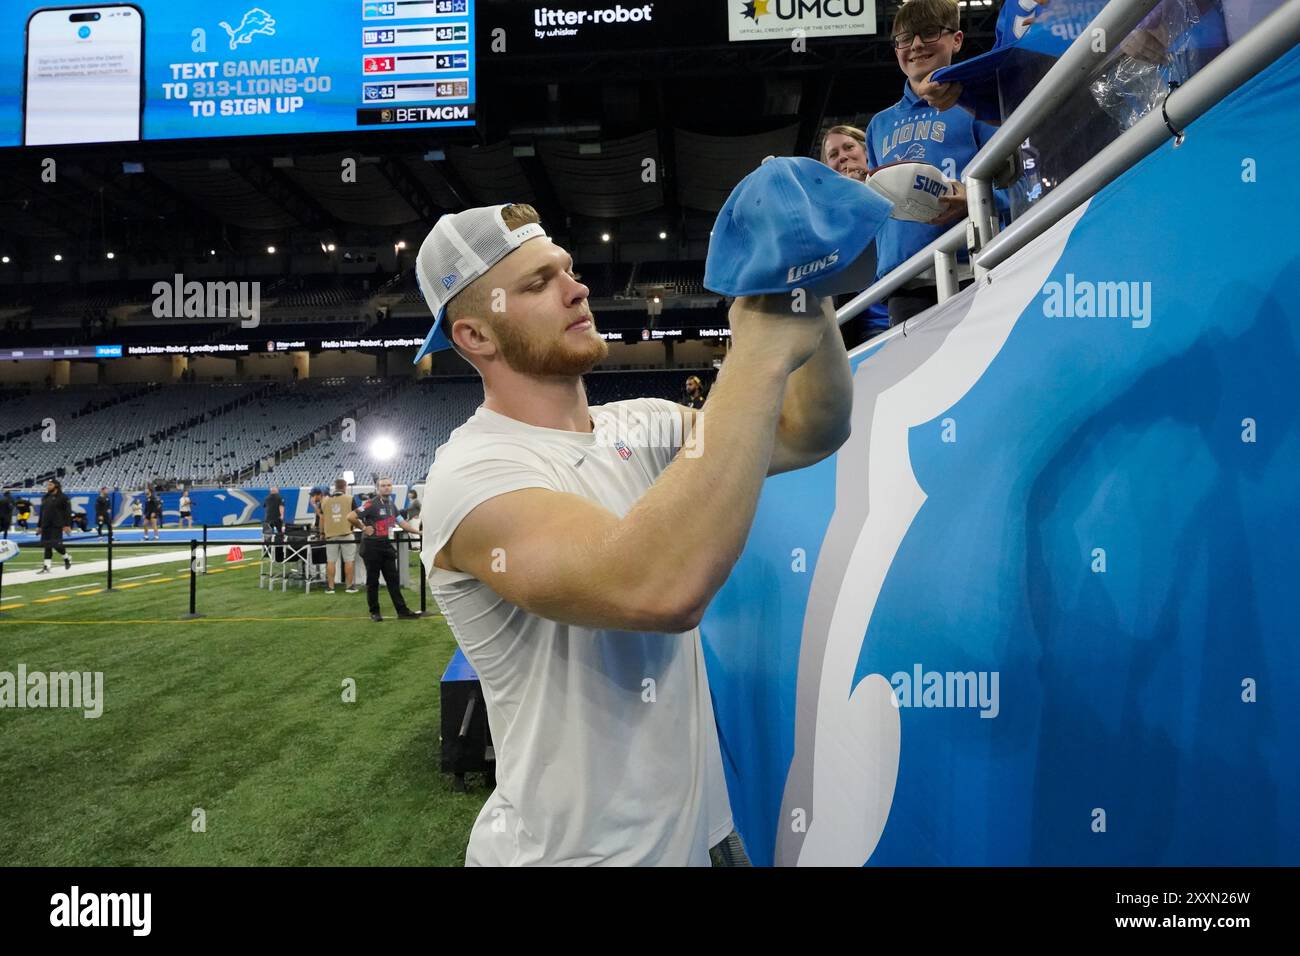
<point x="566" y="132"/>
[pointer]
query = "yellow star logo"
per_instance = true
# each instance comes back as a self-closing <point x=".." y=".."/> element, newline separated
<point x="760" y="8"/>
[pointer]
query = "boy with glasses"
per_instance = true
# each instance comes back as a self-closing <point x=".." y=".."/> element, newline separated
<point x="926" y="126"/>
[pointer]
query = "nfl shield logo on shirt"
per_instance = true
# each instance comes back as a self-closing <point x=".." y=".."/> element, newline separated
<point x="623" y="451"/>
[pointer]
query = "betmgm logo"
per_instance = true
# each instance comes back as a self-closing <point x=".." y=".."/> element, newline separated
<point x="208" y="300"/>
<point x="1083" y="299"/>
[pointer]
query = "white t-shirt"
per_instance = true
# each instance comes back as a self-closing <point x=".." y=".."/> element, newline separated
<point x="606" y="746"/>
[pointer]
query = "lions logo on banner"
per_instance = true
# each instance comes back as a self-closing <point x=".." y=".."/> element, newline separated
<point x="1042" y="601"/>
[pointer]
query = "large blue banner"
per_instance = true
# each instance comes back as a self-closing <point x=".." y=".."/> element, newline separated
<point x="174" y="69"/>
<point x="211" y="506"/>
<point x="1040" y="609"/>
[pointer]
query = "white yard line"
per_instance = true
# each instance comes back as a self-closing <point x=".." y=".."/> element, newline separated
<point x="215" y="552"/>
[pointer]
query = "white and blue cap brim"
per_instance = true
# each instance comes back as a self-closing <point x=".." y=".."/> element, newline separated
<point x="436" y="340"/>
<point x="460" y="248"/>
<point x="795" y="223"/>
<point x="1024" y="26"/>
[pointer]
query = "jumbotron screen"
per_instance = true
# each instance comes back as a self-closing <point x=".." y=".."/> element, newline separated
<point x="182" y="69"/>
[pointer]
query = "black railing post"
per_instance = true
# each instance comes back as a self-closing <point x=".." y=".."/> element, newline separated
<point x="205" y="547"/>
<point x="194" y="580"/>
<point x="110" y="554"/>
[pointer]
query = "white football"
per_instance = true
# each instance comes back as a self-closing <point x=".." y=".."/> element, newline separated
<point x="913" y="188"/>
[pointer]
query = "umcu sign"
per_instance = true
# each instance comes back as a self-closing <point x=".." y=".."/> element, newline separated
<point x="785" y="19"/>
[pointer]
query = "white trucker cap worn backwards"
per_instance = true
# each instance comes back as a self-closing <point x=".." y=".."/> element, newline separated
<point x="460" y="248"/>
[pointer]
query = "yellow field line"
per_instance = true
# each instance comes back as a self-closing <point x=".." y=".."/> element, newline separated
<point x="51" y="600"/>
<point x="88" y="593"/>
<point x="127" y="587"/>
<point x="11" y="607"/>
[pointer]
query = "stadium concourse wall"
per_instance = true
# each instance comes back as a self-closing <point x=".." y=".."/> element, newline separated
<point x="211" y="506"/>
<point x="1041" y="607"/>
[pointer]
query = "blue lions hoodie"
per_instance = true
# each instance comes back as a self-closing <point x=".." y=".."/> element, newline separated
<point x="913" y="131"/>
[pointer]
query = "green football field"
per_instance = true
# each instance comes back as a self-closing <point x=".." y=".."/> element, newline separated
<point x="239" y="714"/>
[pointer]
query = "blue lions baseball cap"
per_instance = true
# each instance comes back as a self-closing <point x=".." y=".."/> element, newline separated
<point x="795" y="223"/>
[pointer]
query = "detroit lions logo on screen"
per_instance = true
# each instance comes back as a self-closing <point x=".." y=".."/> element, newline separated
<point x="255" y="21"/>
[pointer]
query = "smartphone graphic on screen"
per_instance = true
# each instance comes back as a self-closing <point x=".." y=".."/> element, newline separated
<point x="83" y="80"/>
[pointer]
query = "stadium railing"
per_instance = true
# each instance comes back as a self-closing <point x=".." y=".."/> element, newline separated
<point x="978" y="234"/>
<point x="198" y="562"/>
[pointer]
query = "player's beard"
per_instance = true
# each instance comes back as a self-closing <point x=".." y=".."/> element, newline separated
<point x="565" y="355"/>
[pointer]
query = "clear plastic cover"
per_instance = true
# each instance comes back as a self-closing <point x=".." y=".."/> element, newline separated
<point x="1157" y="53"/>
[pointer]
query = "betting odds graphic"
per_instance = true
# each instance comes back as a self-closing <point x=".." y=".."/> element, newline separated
<point x="162" y="69"/>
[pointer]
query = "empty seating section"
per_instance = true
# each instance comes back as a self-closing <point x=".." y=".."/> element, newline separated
<point x="681" y="278"/>
<point x="417" y="420"/>
<point x="422" y="417"/>
<point x="225" y="444"/>
<point x="265" y="419"/>
<point x="97" y="433"/>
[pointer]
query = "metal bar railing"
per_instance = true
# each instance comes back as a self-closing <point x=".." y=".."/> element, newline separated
<point x="198" y="565"/>
<point x="1075" y="66"/>
<point x="951" y="241"/>
<point x="1242" y="60"/>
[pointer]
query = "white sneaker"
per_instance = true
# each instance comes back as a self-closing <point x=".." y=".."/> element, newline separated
<point x="352" y="590"/>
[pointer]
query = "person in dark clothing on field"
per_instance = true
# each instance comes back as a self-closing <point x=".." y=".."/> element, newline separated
<point x="274" y="507"/>
<point x="103" y="512"/>
<point x="6" y="512"/>
<point x="375" y="519"/>
<point x="54" y="523"/>
<point x="153" y="513"/>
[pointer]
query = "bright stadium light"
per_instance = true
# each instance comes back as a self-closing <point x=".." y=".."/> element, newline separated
<point x="383" y="448"/>
<point x="58" y="258"/>
<point x="330" y="247"/>
<point x="4" y="259"/>
<point x="108" y="255"/>
<point x="604" y="237"/>
<point x="663" y="235"/>
<point x="270" y="250"/>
